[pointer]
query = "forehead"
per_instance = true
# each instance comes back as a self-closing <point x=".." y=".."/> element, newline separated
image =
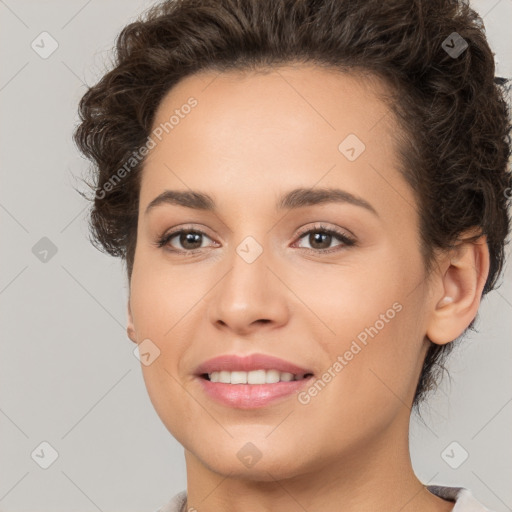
<point x="299" y="98"/>
<point x="289" y="126"/>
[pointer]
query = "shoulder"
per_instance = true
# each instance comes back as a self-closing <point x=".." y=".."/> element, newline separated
<point x="175" y="504"/>
<point x="463" y="498"/>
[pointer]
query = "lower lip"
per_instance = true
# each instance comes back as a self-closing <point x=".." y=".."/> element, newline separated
<point x="251" y="396"/>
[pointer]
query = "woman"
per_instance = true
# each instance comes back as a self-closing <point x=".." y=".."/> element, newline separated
<point x="311" y="200"/>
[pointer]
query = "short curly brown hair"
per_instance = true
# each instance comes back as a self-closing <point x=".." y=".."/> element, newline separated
<point x="456" y="151"/>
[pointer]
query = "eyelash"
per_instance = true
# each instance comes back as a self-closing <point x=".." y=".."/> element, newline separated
<point x="346" y="240"/>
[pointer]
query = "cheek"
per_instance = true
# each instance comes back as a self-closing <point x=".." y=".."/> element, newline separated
<point x="155" y="309"/>
<point x="371" y="334"/>
<point x="369" y="377"/>
<point x="162" y="296"/>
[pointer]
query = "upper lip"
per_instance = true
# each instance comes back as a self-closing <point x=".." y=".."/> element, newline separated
<point x="233" y="362"/>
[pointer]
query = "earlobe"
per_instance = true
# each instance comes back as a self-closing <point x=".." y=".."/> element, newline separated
<point x="463" y="280"/>
<point x="130" y="329"/>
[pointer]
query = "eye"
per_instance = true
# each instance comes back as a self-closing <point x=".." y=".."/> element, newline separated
<point x="190" y="239"/>
<point x="320" y="238"/>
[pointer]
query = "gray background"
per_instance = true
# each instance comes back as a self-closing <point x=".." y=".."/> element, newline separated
<point x="68" y="375"/>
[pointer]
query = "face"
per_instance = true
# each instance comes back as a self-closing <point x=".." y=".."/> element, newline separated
<point x="335" y="286"/>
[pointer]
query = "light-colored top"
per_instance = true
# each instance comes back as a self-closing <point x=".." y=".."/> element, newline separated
<point x="462" y="497"/>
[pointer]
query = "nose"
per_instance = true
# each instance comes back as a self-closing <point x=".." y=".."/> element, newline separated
<point x="249" y="297"/>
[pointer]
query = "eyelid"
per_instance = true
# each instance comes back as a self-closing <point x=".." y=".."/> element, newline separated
<point x="319" y="226"/>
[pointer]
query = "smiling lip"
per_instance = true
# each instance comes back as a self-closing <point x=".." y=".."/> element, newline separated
<point x="250" y="396"/>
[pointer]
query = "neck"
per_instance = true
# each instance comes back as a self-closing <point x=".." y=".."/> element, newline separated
<point x="376" y="475"/>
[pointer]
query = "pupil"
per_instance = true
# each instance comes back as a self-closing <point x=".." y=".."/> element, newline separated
<point x="189" y="237"/>
<point x="315" y="237"/>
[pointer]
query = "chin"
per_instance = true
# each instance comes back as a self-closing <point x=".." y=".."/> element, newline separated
<point x="262" y="471"/>
<point x="251" y="460"/>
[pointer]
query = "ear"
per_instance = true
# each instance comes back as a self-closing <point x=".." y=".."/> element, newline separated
<point x="463" y="275"/>
<point x="130" y="329"/>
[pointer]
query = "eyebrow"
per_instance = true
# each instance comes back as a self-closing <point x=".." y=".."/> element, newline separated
<point x="294" y="199"/>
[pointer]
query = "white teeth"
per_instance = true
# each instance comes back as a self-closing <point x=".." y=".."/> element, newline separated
<point x="238" y="377"/>
<point x="224" y="376"/>
<point x="256" y="377"/>
<point x="272" y="376"/>
<point x="253" y="377"/>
